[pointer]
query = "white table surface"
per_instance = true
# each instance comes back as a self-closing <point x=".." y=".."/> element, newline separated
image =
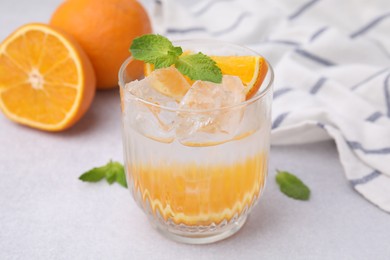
<point x="47" y="213"/>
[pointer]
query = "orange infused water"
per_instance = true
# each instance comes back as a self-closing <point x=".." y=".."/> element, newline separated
<point x="196" y="148"/>
<point x="196" y="185"/>
<point x="191" y="168"/>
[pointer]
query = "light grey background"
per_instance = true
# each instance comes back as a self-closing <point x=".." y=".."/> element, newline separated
<point x="47" y="213"/>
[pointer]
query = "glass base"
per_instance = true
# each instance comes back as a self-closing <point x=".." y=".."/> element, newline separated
<point x="199" y="238"/>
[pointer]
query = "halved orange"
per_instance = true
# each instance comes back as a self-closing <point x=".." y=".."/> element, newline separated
<point x="46" y="79"/>
<point x="250" y="69"/>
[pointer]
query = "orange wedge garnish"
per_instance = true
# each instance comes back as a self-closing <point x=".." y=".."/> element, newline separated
<point x="170" y="82"/>
<point x="148" y="68"/>
<point x="46" y="80"/>
<point x="250" y="69"/>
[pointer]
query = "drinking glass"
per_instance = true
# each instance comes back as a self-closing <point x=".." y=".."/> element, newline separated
<point x="196" y="174"/>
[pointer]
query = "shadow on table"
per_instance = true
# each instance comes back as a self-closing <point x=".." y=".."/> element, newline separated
<point x="105" y="108"/>
<point x="262" y="219"/>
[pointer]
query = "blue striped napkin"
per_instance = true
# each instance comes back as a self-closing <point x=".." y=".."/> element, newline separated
<point x="332" y="67"/>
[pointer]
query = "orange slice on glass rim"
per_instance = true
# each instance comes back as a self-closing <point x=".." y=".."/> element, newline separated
<point x="250" y="69"/>
<point x="46" y="80"/>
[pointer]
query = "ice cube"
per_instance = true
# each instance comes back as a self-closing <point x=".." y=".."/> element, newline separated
<point x="169" y="82"/>
<point x="211" y="124"/>
<point x="147" y="119"/>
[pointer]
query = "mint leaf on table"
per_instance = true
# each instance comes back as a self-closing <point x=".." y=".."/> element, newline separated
<point x="155" y="49"/>
<point x="199" y="67"/>
<point x="121" y="178"/>
<point x="112" y="172"/>
<point x="159" y="51"/>
<point x="94" y="175"/>
<point x="110" y="176"/>
<point x="292" y="186"/>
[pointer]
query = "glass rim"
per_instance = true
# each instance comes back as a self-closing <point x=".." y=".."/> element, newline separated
<point x="259" y="95"/>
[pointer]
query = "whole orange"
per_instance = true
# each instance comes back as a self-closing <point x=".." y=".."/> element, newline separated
<point x="105" y="30"/>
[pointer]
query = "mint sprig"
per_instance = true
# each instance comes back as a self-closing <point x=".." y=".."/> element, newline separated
<point x="292" y="186"/>
<point x="199" y="66"/>
<point x="112" y="172"/>
<point x="159" y="51"/>
<point x="155" y="49"/>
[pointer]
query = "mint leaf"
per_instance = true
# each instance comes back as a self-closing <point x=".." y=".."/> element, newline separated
<point x="165" y="62"/>
<point x="292" y="186"/>
<point x="199" y="67"/>
<point x="110" y="176"/>
<point x="119" y="173"/>
<point x="159" y="51"/>
<point x="121" y="178"/>
<point x="94" y="175"/>
<point x="155" y="49"/>
<point x="112" y="171"/>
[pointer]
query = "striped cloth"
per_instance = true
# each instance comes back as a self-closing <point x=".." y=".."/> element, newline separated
<point x="332" y="67"/>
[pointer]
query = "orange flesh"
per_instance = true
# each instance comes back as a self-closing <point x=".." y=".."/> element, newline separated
<point x="46" y="80"/>
<point x="195" y="194"/>
<point x="250" y="69"/>
<point x="32" y="61"/>
<point x="170" y="82"/>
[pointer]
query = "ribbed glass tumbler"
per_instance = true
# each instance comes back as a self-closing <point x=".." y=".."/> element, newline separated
<point x="196" y="173"/>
